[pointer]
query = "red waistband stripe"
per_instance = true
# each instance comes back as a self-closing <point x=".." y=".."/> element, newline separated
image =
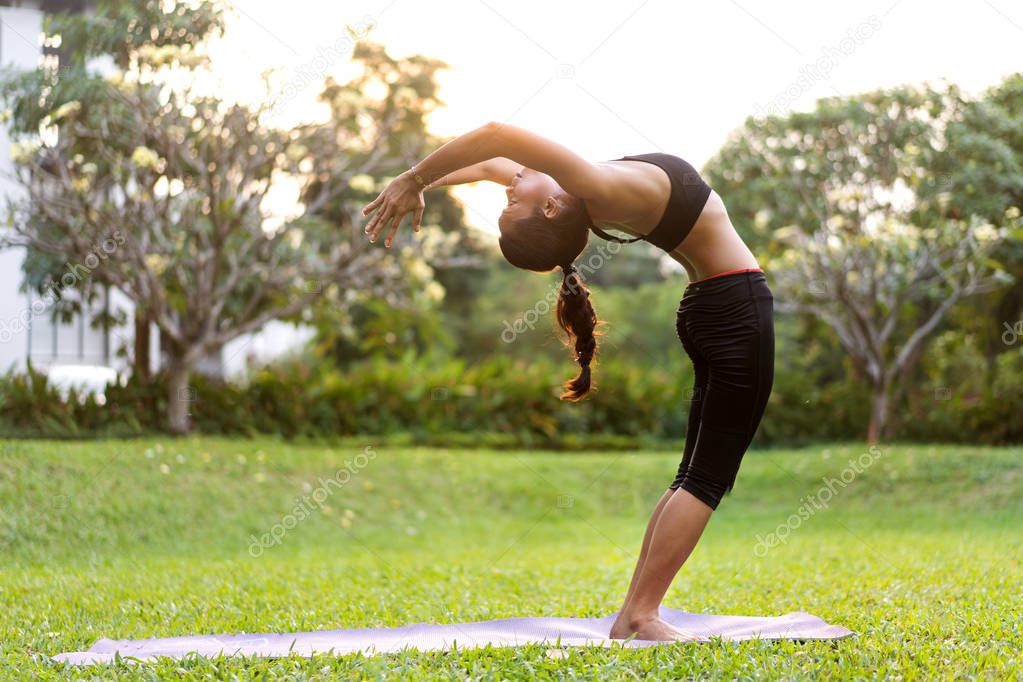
<point x="727" y="272"/>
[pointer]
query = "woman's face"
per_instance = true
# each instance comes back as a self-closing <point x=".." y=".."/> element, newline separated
<point x="529" y="189"/>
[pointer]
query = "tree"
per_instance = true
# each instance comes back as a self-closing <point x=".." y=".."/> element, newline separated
<point x="884" y="290"/>
<point x="118" y="31"/>
<point x="980" y="172"/>
<point x="162" y="192"/>
<point x="832" y="198"/>
<point x="448" y="262"/>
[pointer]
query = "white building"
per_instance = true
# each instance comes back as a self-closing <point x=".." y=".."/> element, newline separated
<point x="27" y="332"/>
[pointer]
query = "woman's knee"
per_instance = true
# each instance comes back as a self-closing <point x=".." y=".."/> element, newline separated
<point x="708" y="493"/>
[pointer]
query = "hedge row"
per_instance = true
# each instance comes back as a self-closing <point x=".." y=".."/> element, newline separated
<point x="505" y="402"/>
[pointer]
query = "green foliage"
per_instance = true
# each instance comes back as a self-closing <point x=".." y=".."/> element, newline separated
<point x="426" y="395"/>
<point x="442" y="265"/>
<point x="176" y="181"/>
<point x="980" y="169"/>
<point x="867" y="210"/>
<point x="137" y="36"/>
<point x="508" y="401"/>
<point x="980" y="172"/>
<point x="959" y="401"/>
<point x="122" y="29"/>
<point x="839" y="161"/>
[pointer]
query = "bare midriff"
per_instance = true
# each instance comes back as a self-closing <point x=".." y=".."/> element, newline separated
<point x="713" y="246"/>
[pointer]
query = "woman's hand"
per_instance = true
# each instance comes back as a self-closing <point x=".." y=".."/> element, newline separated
<point x="403" y="195"/>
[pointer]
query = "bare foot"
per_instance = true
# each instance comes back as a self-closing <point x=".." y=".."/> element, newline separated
<point x="620" y="630"/>
<point x="653" y="629"/>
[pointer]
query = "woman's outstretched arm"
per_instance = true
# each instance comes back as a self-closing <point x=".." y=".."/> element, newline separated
<point x="404" y="194"/>
<point x="499" y="170"/>
<point x="576" y="175"/>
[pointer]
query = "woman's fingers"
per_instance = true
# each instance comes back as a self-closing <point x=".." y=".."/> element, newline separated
<point x="417" y="217"/>
<point x="377" y="224"/>
<point x="382" y="226"/>
<point x="400" y="215"/>
<point x="370" y="223"/>
<point x="387" y="219"/>
<point x="373" y="204"/>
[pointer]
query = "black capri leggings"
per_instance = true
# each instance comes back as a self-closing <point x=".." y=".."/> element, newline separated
<point x="726" y="325"/>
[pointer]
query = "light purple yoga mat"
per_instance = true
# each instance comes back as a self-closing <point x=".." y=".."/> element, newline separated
<point x="432" y="637"/>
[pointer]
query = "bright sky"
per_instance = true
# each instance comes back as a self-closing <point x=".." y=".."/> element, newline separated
<point x="633" y="76"/>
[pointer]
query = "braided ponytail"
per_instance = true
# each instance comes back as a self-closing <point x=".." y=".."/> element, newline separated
<point x="576" y="316"/>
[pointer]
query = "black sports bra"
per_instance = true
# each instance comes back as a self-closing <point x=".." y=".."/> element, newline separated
<point x="689" y="193"/>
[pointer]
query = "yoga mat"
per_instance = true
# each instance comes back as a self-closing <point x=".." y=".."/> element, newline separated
<point x="434" y="637"/>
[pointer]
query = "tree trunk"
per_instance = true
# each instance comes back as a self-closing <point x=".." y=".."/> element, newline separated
<point x="180" y="397"/>
<point x="878" y="413"/>
<point x="141" y="361"/>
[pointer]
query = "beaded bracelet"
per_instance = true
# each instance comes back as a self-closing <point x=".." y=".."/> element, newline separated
<point x="416" y="176"/>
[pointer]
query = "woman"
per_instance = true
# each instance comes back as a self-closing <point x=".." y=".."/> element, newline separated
<point x="724" y="320"/>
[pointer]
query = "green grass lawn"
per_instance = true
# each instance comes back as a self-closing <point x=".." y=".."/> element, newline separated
<point x="919" y="553"/>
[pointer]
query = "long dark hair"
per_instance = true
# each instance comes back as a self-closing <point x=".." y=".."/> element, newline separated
<point x="577" y="317"/>
<point x="540" y="244"/>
